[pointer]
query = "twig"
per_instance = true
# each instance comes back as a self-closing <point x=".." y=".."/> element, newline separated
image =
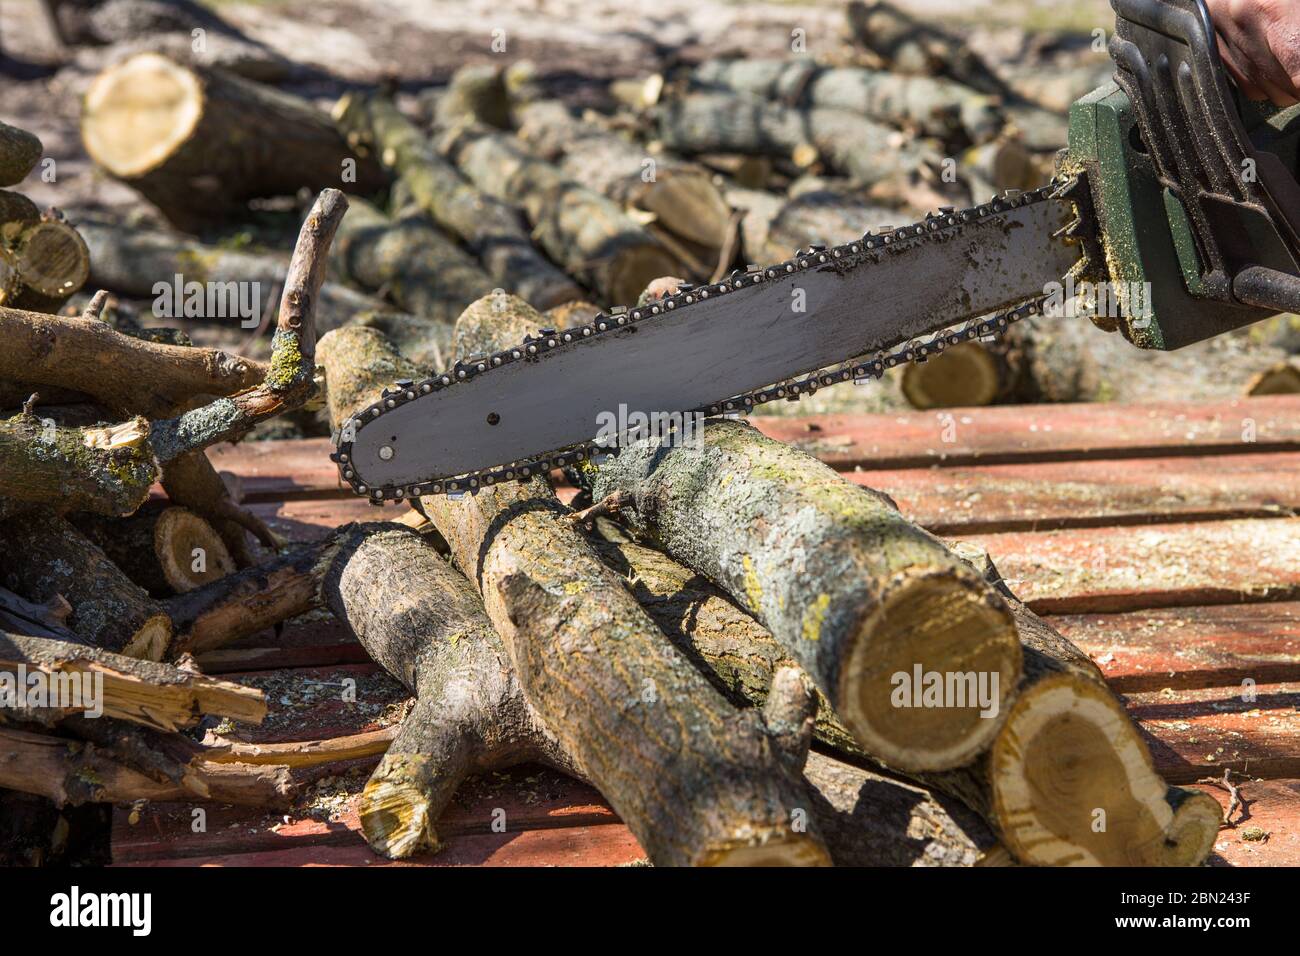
<point x="290" y="376"/>
<point x="611" y="504"/>
<point x="95" y="307"/>
<point x="1234" y="795"/>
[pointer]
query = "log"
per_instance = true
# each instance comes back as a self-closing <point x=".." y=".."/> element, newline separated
<point x="904" y="45"/>
<point x="582" y="230"/>
<point x="424" y="623"/>
<point x="16" y="210"/>
<point x="742" y="658"/>
<point x="1069" y="779"/>
<point x="930" y="106"/>
<point x="490" y="228"/>
<point x="200" y="143"/>
<point x="1281" y="378"/>
<point x="71" y="772"/>
<point x="696" y="782"/>
<point x="861" y="598"/>
<point x="426" y="342"/>
<point x="45" y="556"/>
<point x="105" y="470"/>
<point x="408" y="259"/>
<point x="822" y="217"/>
<point x="42" y="263"/>
<point x="134" y="261"/>
<point x="37" y="620"/>
<point x="846" y="142"/>
<point x="143" y="692"/>
<point x="681" y="196"/>
<point x="161" y="548"/>
<point x="19" y="153"/>
<point x="476" y="93"/>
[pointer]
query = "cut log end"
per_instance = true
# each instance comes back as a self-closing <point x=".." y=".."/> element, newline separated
<point x="190" y="551"/>
<point x="951" y="630"/>
<point x="150" y="642"/>
<point x="965" y="375"/>
<point x="1077" y="785"/>
<point x="138" y="113"/>
<point x="773" y="849"/>
<point x="397" y="818"/>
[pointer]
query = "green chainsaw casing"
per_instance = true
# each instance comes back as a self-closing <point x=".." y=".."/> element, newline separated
<point x="1150" y="258"/>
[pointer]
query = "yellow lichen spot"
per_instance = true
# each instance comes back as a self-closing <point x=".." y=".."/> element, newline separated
<point x="813" y="617"/>
<point x="753" y="588"/>
<point x="575" y="587"/>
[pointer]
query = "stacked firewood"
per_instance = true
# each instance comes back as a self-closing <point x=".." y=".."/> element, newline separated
<point x="715" y="641"/>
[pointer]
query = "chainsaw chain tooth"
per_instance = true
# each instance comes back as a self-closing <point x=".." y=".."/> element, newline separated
<point x="886" y="240"/>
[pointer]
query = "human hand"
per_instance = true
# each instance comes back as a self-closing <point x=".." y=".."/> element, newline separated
<point x="1259" y="41"/>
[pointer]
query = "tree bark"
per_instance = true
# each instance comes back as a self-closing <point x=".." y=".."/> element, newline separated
<point x="476" y="93"/>
<point x="419" y="268"/>
<point x="681" y="196"/>
<point x="199" y="143"/>
<point x="45" y="556"/>
<point x="19" y="153"/>
<point x="580" y="229"/>
<point x="489" y="227"/>
<point x="143" y="692"/>
<point x="856" y="593"/>
<point x="932" y="107"/>
<point x="159" y="547"/>
<point x="705" y="784"/>
<point x="821" y="217"/>
<point x="133" y="261"/>
<point x="846" y="142"/>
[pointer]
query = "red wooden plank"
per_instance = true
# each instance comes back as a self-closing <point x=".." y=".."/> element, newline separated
<point x="1049" y="495"/>
<point x="1192" y="646"/>
<point x="1044" y="432"/>
<point x="1169" y="565"/>
<point x="1266" y="830"/>
<point x="610" y="845"/>
<point x="523" y="798"/>
<point x="1198" y="732"/>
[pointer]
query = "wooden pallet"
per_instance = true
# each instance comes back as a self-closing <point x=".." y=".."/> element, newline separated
<point x="1162" y="539"/>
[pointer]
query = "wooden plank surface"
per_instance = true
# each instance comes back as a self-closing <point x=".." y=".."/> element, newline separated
<point x="1266" y="830"/>
<point x="1168" y="565"/>
<point x="1019" y="433"/>
<point x="522" y="799"/>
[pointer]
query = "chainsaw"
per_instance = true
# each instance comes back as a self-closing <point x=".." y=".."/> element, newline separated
<point x="1174" y="193"/>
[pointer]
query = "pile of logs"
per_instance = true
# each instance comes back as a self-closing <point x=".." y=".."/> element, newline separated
<point x="715" y="642"/>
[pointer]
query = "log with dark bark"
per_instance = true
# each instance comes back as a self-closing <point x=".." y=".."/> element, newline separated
<point x="928" y="105"/>
<point x="822" y="217"/>
<point x="162" y="548"/>
<point x="856" y="593"/>
<point x="844" y="141"/>
<point x="19" y="153"/>
<point x="681" y="196"/>
<point x="143" y="692"/>
<point x="705" y="784"/>
<point x="44" y="556"/>
<point x="411" y="261"/>
<point x="489" y="227"/>
<point x="133" y="261"/>
<point x="200" y="143"/>
<point x="582" y="230"/>
<point x="16" y="210"/>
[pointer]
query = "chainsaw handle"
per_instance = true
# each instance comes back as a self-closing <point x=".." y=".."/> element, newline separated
<point x="1242" y="204"/>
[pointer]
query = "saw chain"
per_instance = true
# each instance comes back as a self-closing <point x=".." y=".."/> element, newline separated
<point x="936" y="227"/>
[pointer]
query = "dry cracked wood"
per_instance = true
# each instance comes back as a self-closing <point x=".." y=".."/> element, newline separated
<point x="695" y="780"/>
<point x="143" y="692"/>
<point x="860" y="597"/>
<point x="199" y="143"/>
